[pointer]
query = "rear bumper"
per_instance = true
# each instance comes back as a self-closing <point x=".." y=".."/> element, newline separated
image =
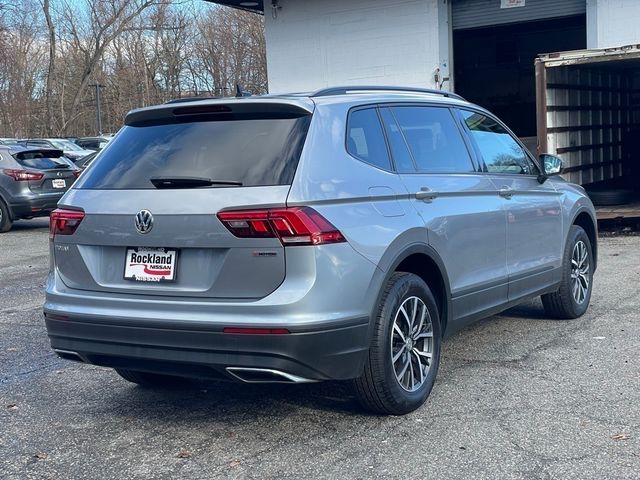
<point x="325" y="303"/>
<point x="36" y="206"/>
<point x="206" y="352"/>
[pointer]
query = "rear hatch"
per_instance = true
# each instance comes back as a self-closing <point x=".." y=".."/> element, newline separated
<point x="57" y="173"/>
<point x="151" y="197"/>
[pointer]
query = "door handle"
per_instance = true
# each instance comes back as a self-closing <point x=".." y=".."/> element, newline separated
<point x="505" y="192"/>
<point x="426" y="194"/>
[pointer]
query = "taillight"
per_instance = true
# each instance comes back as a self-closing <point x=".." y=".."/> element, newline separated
<point x="64" y="222"/>
<point x="293" y="226"/>
<point x="22" y="175"/>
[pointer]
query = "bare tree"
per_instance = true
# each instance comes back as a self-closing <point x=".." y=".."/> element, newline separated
<point x="143" y="51"/>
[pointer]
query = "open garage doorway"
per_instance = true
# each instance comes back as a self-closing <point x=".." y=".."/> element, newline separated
<point x="494" y="66"/>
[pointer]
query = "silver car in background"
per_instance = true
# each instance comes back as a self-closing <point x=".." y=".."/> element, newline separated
<point x="72" y="151"/>
<point x="337" y="235"/>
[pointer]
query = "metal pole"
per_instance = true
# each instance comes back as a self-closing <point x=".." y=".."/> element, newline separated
<point x="98" y="108"/>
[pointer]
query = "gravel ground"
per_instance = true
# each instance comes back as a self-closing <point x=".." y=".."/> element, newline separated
<point x="518" y="396"/>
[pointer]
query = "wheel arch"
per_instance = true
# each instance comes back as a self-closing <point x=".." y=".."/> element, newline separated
<point x="583" y="218"/>
<point x="423" y="261"/>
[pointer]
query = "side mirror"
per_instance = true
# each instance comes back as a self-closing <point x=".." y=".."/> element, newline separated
<point x="551" y="164"/>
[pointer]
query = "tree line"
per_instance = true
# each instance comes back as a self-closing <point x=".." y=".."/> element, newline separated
<point x="53" y="53"/>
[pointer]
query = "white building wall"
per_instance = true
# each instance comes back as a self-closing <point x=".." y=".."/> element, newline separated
<point x="613" y="23"/>
<point x="317" y="43"/>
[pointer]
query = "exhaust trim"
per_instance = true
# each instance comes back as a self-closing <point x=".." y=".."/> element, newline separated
<point x="70" y="355"/>
<point x="277" y="375"/>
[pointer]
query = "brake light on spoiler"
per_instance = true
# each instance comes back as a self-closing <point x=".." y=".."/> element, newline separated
<point x="64" y="222"/>
<point x="293" y="225"/>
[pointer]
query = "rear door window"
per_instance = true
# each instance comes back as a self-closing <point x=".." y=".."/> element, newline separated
<point x="365" y="138"/>
<point x="434" y="141"/>
<point x="252" y="151"/>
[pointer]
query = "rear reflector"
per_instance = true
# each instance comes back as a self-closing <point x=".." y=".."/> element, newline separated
<point x="22" y="175"/>
<point x="293" y="226"/>
<point x="64" y="222"/>
<point x="256" y="331"/>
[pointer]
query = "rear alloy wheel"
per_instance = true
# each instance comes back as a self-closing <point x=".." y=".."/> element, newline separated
<point x="412" y="344"/>
<point x="5" y="218"/>
<point x="405" y="352"/>
<point x="572" y="299"/>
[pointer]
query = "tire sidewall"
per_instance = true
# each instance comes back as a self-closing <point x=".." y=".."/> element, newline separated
<point x="5" y="221"/>
<point x="407" y="286"/>
<point x="578" y="234"/>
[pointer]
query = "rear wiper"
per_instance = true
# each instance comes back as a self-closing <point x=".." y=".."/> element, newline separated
<point x="189" y="182"/>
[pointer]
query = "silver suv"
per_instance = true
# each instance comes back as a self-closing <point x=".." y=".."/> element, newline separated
<point x="298" y="238"/>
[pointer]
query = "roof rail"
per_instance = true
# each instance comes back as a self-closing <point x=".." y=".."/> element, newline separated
<point x="325" y="92"/>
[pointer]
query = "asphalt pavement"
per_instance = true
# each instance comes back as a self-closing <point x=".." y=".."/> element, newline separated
<point x="518" y="396"/>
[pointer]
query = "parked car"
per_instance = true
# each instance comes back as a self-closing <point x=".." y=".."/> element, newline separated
<point x="31" y="182"/>
<point x="72" y="151"/>
<point x="85" y="161"/>
<point x="300" y="238"/>
<point x="9" y="141"/>
<point x="92" y="143"/>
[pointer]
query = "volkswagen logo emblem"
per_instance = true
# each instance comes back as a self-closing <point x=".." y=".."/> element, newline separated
<point x="144" y="221"/>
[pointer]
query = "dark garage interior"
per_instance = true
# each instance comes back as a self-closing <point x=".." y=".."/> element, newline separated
<point x="494" y="66"/>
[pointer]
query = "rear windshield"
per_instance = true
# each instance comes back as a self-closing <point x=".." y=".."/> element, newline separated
<point x="41" y="160"/>
<point x="254" y="152"/>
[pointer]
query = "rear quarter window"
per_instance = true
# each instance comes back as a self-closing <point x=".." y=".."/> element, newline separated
<point x="254" y="151"/>
<point x="365" y="138"/>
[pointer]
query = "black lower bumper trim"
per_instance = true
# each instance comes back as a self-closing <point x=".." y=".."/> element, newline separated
<point x="334" y="354"/>
<point x="34" y="208"/>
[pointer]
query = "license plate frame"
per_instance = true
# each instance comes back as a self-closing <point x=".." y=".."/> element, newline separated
<point x="151" y="264"/>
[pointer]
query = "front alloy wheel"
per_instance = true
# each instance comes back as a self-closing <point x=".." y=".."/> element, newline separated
<point x="572" y="297"/>
<point x="580" y="272"/>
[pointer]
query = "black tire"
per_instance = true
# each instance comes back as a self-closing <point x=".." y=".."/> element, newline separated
<point x="378" y="389"/>
<point x="5" y="218"/>
<point x="562" y="303"/>
<point x="155" y="380"/>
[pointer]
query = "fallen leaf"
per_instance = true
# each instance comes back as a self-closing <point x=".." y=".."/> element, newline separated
<point x="234" y="463"/>
<point x="183" y="454"/>
<point x="621" y="436"/>
<point x="40" y="456"/>
<point x="12" y="407"/>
